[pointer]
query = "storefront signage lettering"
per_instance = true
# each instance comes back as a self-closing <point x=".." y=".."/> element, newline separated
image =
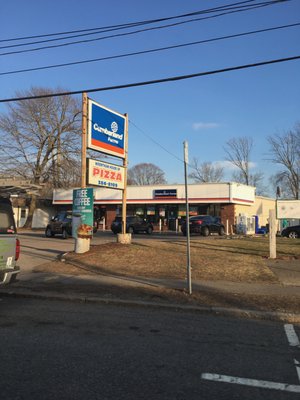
<point x="83" y="213"/>
<point x="105" y="174"/>
<point x="165" y="193"/>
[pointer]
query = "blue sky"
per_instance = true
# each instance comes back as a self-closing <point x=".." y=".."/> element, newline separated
<point x="205" y="111"/>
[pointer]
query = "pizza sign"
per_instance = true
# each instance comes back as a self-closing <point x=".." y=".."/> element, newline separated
<point x="105" y="174"/>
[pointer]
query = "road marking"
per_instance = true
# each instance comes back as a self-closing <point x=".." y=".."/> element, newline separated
<point x="251" y="382"/>
<point x="297" y="364"/>
<point x="291" y="335"/>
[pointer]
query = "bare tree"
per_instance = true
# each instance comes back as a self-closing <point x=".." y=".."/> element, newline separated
<point x="255" y="179"/>
<point x="206" y="171"/>
<point x="285" y="151"/>
<point x="40" y="139"/>
<point x="238" y="151"/>
<point x="146" y="174"/>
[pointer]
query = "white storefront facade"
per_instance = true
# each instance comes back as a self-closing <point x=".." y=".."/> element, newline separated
<point x="164" y="205"/>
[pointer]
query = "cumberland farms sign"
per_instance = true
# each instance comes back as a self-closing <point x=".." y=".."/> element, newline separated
<point x="106" y="130"/>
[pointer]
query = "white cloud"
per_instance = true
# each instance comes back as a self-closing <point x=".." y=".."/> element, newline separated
<point x="197" y="126"/>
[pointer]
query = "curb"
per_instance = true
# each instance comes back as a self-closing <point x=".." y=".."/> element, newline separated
<point x="219" y="311"/>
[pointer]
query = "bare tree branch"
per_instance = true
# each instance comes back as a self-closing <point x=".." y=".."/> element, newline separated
<point x="146" y="174"/>
<point x="206" y="171"/>
<point x="285" y="151"/>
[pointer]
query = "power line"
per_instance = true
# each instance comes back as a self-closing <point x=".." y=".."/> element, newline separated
<point x="150" y="50"/>
<point x="240" y="9"/>
<point x="154" y="82"/>
<point x="154" y="141"/>
<point x="125" y="25"/>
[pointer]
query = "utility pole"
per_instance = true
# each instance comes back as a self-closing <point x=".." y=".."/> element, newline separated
<point x="188" y="246"/>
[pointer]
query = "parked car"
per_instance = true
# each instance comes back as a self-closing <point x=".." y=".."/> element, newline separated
<point x="291" y="231"/>
<point x="203" y="225"/>
<point x="9" y="243"/>
<point x="61" y="224"/>
<point x="134" y="224"/>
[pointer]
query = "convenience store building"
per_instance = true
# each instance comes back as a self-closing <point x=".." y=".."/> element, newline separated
<point x="164" y="205"/>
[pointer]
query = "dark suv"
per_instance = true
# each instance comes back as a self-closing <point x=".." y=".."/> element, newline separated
<point x="133" y="225"/>
<point x="61" y="224"/>
<point x="204" y="225"/>
<point x="9" y="243"/>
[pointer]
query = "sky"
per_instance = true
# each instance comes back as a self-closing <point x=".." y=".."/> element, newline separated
<point x="205" y="111"/>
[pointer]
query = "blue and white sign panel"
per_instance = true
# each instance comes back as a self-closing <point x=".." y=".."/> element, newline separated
<point x="106" y="130"/>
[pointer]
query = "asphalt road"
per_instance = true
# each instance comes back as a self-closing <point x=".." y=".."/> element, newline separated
<point x="68" y="350"/>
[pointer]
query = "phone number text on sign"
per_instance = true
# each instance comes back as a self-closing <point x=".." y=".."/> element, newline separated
<point x="105" y="174"/>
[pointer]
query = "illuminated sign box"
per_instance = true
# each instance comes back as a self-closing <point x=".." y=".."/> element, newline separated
<point x="106" y="130"/>
<point x="105" y="174"/>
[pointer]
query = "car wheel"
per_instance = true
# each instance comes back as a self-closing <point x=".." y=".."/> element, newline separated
<point x="65" y="234"/>
<point x="293" y="235"/>
<point x="130" y="229"/>
<point x="149" y="230"/>
<point x="205" y="231"/>
<point x="48" y="232"/>
<point x="222" y="231"/>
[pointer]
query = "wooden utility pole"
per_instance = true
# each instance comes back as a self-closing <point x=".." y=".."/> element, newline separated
<point x="83" y="139"/>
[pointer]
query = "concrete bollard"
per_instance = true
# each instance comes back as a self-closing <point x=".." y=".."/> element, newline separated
<point x="82" y="245"/>
<point x="124" y="238"/>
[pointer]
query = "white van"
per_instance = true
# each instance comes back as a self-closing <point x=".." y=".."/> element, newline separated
<point x="9" y="243"/>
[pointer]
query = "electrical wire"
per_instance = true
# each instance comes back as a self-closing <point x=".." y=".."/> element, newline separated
<point x="251" y="7"/>
<point x="154" y="82"/>
<point x="150" y="50"/>
<point x="125" y="25"/>
<point x="154" y="141"/>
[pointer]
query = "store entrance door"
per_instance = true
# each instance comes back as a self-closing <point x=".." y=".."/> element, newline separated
<point x="172" y="218"/>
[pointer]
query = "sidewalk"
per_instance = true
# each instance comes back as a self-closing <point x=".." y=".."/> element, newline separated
<point x="278" y="301"/>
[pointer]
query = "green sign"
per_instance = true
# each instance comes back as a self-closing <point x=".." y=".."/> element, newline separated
<point x="83" y="213"/>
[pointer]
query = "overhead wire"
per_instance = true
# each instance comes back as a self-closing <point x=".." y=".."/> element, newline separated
<point x="150" y="50"/>
<point x="155" y="81"/>
<point x="154" y="141"/>
<point x="125" y="24"/>
<point x="251" y="7"/>
<point x="129" y="24"/>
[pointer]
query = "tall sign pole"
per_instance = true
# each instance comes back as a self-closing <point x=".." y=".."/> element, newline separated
<point x="83" y="139"/>
<point x="107" y="132"/>
<point x="125" y="164"/>
<point x="82" y="219"/>
<point x="188" y="246"/>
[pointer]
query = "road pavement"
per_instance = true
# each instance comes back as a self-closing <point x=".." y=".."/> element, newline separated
<point x="67" y="350"/>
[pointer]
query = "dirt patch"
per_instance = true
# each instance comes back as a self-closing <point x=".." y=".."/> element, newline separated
<point x="153" y="259"/>
<point x="236" y="260"/>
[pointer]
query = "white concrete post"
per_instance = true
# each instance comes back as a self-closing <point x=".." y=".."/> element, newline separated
<point x="272" y="233"/>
